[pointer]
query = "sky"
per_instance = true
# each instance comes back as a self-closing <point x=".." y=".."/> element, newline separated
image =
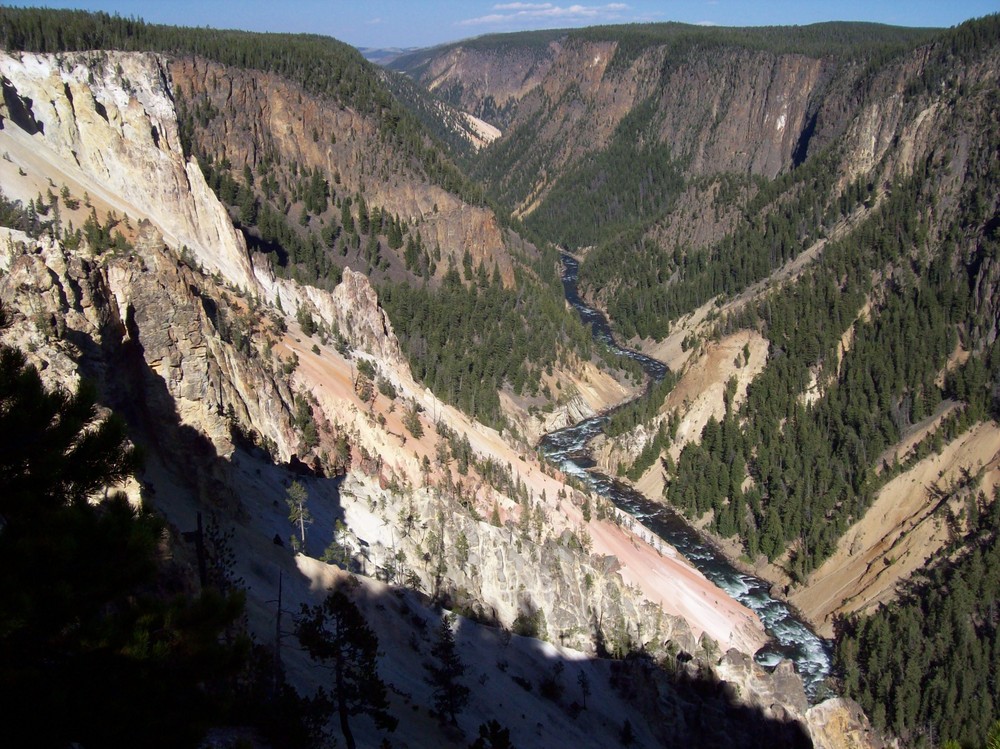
<point x="412" y="23"/>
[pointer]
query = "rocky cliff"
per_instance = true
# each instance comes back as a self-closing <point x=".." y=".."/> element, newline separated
<point x="732" y="110"/>
<point x="103" y="119"/>
<point x="144" y="325"/>
<point x="486" y="80"/>
<point x="261" y="118"/>
<point x="722" y="105"/>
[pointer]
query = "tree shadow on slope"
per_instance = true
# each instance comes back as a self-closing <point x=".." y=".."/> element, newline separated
<point x="132" y="388"/>
<point x="545" y="696"/>
<point x="222" y="513"/>
<point x="688" y="705"/>
<point x="105" y="638"/>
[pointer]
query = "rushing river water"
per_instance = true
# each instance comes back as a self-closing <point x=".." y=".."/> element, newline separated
<point x="568" y="449"/>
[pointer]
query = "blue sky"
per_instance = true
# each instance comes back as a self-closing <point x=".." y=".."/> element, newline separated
<point x="408" y="23"/>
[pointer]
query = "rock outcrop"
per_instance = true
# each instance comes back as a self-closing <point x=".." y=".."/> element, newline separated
<point x="504" y="573"/>
<point x="838" y="723"/>
<point x="780" y="694"/>
<point x="107" y="119"/>
<point x="834" y="723"/>
<point x="153" y="333"/>
<point x="489" y="83"/>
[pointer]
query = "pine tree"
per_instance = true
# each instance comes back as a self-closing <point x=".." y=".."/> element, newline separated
<point x="364" y="222"/>
<point x="627" y="735"/>
<point x="248" y="206"/>
<point x="411" y="420"/>
<point x="493" y="736"/>
<point x="462" y="550"/>
<point x="298" y="511"/>
<point x="450" y="695"/>
<point x="584" y="683"/>
<point x="335" y="632"/>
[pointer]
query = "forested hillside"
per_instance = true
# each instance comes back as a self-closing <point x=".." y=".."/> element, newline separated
<point x="816" y="189"/>
<point x="928" y="665"/>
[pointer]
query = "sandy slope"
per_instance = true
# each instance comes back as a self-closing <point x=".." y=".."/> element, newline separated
<point x="29" y="169"/>
<point x="899" y="532"/>
<point x="483" y="132"/>
<point x="699" y="395"/>
<point x="667" y="579"/>
<point x="664" y="578"/>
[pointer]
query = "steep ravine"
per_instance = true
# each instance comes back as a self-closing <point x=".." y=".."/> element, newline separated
<point x="262" y="121"/>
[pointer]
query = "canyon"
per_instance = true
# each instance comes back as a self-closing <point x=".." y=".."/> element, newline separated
<point x="186" y="233"/>
<point x="756" y="112"/>
<point x="154" y="326"/>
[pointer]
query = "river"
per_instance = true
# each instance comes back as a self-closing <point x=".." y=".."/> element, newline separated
<point x="567" y="448"/>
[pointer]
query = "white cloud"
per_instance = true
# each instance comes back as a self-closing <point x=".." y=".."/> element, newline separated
<point x="522" y="6"/>
<point x="374" y="22"/>
<point x="514" y="12"/>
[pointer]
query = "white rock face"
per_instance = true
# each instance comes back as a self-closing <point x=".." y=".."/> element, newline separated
<point x="108" y="120"/>
<point x="840" y="723"/>
<point x="352" y="308"/>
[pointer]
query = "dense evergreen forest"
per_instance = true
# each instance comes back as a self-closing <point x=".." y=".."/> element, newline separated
<point x="886" y="380"/>
<point x="818" y="472"/>
<point x="659" y="284"/>
<point x="598" y="198"/>
<point x="469" y="341"/>
<point x="644" y="285"/>
<point x="872" y="41"/>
